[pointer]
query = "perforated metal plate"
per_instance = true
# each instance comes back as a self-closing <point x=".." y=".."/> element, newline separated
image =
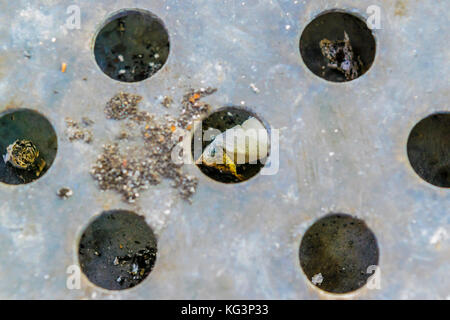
<point x="342" y="148"/>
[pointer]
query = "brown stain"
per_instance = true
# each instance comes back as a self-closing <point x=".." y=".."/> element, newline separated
<point x="30" y="231"/>
<point x="11" y="105"/>
<point x="165" y="69"/>
<point x="401" y="8"/>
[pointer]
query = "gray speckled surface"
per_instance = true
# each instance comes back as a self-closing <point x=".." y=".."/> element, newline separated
<point x="343" y="149"/>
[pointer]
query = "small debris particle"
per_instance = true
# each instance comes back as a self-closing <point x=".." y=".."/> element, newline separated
<point x="439" y="235"/>
<point x="194" y="97"/>
<point x="65" y="193"/>
<point x="254" y="88"/>
<point x="193" y="108"/>
<point x="167" y="101"/>
<point x="122" y="106"/>
<point x="123" y="135"/>
<point x="63" y="67"/>
<point x="317" y="279"/>
<point x="27" y="54"/>
<point x="75" y="131"/>
<point x="87" y="122"/>
<point x="140" y="264"/>
<point x="340" y="56"/>
<point x="400" y="8"/>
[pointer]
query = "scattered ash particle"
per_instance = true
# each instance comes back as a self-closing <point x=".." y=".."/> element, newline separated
<point x="122" y="106"/>
<point x="167" y="101"/>
<point x="65" y="193"/>
<point x="123" y="135"/>
<point x="124" y="173"/>
<point x="340" y="56"/>
<point x="187" y="185"/>
<point x="254" y="88"/>
<point x="142" y="116"/>
<point x="27" y="54"/>
<point x="75" y="131"/>
<point x="192" y="107"/>
<point x="131" y="171"/>
<point x="87" y="122"/>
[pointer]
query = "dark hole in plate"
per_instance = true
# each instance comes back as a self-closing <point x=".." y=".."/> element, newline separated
<point x="332" y="25"/>
<point x="132" y="46"/>
<point x="222" y="120"/>
<point x="28" y="125"/>
<point x="340" y="248"/>
<point x="117" y="250"/>
<point x="428" y="149"/>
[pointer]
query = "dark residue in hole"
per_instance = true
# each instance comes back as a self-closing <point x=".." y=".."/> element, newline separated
<point x="338" y="250"/>
<point x="117" y="250"/>
<point x="338" y="46"/>
<point x="428" y="149"/>
<point x="132" y="46"/>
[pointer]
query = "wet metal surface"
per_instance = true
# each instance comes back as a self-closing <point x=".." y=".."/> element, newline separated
<point x="342" y="148"/>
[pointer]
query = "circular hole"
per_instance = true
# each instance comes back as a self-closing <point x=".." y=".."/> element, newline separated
<point x="117" y="250"/>
<point x="231" y="145"/>
<point x="132" y="46"/>
<point x="337" y="46"/>
<point x="28" y="146"/>
<point x="428" y="149"/>
<point x="336" y="253"/>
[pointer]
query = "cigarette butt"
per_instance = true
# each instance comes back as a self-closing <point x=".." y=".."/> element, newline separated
<point x="63" y="67"/>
